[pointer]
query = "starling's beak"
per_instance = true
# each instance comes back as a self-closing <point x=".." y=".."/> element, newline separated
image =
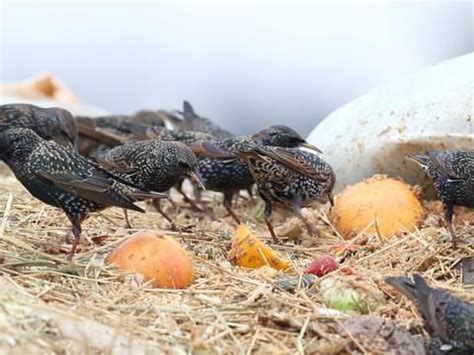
<point x="311" y="147"/>
<point x="421" y="160"/>
<point x="198" y="178"/>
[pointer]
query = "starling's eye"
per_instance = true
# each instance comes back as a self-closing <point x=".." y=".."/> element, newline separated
<point x="296" y="140"/>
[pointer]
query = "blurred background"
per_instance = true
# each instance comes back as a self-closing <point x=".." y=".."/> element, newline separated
<point x="244" y="65"/>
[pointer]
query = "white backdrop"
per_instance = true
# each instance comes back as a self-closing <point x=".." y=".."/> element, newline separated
<point x="244" y="65"/>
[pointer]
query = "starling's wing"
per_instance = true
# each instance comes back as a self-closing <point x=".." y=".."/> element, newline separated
<point x="75" y="174"/>
<point x="442" y="162"/>
<point x="206" y="149"/>
<point x="148" y="118"/>
<point x="122" y="159"/>
<point x="15" y="115"/>
<point x="302" y="162"/>
<point x="463" y="164"/>
<point x="89" y="128"/>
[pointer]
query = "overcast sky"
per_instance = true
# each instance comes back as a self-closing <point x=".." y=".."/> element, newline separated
<point x="244" y="65"/>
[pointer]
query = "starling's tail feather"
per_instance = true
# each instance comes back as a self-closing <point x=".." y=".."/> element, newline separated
<point x="146" y="195"/>
<point x="188" y="109"/>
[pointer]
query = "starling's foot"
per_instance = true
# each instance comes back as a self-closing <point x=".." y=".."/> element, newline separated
<point x="185" y="229"/>
<point x="313" y="232"/>
<point x="73" y="248"/>
<point x="457" y="242"/>
<point x="276" y="240"/>
<point x="272" y="233"/>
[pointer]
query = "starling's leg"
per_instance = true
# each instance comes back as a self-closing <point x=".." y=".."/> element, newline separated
<point x="448" y="215"/>
<point x="228" y="206"/>
<point x="76" y="230"/>
<point x="266" y="215"/>
<point x="156" y="203"/>
<point x="128" y="225"/>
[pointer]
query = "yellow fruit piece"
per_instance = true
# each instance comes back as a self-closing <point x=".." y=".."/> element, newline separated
<point x="388" y="201"/>
<point x="248" y="250"/>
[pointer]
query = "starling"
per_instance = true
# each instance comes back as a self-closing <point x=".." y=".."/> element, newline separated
<point x="152" y="165"/>
<point x="101" y="133"/>
<point x="229" y="176"/>
<point x="53" y="123"/>
<point x="118" y="122"/>
<point x="289" y="178"/>
<point x="448" y="320"/>
<point x="452" y="173"/>
<point x="194" y="122"/>
<point x="61" y="178"/>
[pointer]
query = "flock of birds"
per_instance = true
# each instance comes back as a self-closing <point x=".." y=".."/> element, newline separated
<point x="83" y="164"/>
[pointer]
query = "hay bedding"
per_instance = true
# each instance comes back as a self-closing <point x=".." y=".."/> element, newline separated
<point x="50" y="306"/>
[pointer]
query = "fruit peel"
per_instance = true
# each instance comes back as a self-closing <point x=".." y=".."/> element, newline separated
<point x="249" y="251"/>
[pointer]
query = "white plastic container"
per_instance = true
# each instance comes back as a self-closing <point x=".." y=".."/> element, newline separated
<point x="431" y="109"/>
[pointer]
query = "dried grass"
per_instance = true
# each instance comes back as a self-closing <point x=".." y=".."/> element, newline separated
<point x="48" y="305"/>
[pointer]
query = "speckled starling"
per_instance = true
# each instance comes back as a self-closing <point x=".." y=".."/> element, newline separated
<point x="232" y="175"/>
<point x="452" y="173"/>
<point x="152" y="165"/>
<point x="99" y="134"/>
<point x="288" y="178"/>
<point x="194" y="122"/>
<point x="447" y="319"/>
<point x="104" y="132"/>
<point x="61" y="178"/>
<point x="53" y="123"/>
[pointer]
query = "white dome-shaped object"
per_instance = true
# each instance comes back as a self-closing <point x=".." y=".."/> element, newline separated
<point x="431" y="109"/>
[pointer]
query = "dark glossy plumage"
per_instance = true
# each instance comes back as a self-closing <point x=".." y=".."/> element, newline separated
<point x="232" y="175"/>
<point x="193" y="122"/>
<point x="99" y="134"/>
<point x="53" y="123"/>
<point x="152" y="165"/>
<point x="64" y="179"/>
<point x="448" y="320"/>
<point x="452" y="173"/>
<point x="288" y="178"/>
<point x="110" y="131"/>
